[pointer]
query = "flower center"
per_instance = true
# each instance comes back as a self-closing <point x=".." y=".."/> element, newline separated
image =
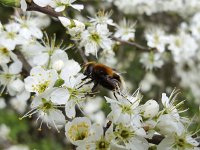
<point x="178" y="42"/>
<point x="95" y="37"/>
<point x="11" y="35"/>
<point x="4" y="51"/>
<point x="124" y="134"/>
<point x="46" y="105"/>
<point x="126" y="109"/>
<point x="40" y="88"/>
<point x="79" y="131"/>
<point x="102" y="144"/>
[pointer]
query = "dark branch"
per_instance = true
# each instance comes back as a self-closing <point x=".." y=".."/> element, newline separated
<point x="46" y="10"/>
<point x="26" y="65"/>
<point x="82" y="55"/>
<point x="143" y="48"/>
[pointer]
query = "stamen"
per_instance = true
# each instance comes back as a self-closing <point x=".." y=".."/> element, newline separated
<point x="54" y="124"/>
<point x="40" y="128"/>
<point x="29" y="113"/>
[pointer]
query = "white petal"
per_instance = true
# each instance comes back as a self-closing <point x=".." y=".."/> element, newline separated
<point x="165" y="100"/>
<point x="109" y="100"/>
<point x="17" y="85"/>
<point x="36" y="32"/>
<point x="114" y="115"/>
<point x="71" y="68"/>
<point x="42" y="3"/>
<point x="24" y="95"/>
<point x="57" y="116"/>
<point x="23" y="5"/>
<point x="41" y="59"/>
<point x="60" y="8"/>
<point x="60" y="96"/>
<point x="70" y="109"/>
<point x="65" y="21"/>
<point x="77" y="6"/>
<point x="15" y="67"/>
<point x="166" y="143"/>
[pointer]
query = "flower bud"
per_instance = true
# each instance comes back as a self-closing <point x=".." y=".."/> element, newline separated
<point x="11" y="3"/>
<point x="58" y="65"/>
<point x="150" y="109"/>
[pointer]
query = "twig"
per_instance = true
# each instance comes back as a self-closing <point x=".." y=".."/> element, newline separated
<point x="46" y="10"/>
<point x="85" y="60"/>
<point x="143" y="48"/>
<point x="50" y="11"/>
<point x="26" y="65"/>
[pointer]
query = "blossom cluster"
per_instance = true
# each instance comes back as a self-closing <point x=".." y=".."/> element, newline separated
<point x="156" y="6"/>
<point x="36" y="70"/>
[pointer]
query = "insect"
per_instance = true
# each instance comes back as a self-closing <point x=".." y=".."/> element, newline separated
<point x="103" y="75"/>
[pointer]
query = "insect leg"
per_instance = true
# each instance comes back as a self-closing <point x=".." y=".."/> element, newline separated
<point x="95" y="86"/>
<point x="85" y="83"/>
<point x="114" y="93"/>
<point x="85" y="78"/>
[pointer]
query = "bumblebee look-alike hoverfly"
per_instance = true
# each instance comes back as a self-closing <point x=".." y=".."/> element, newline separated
<point x="103" y="75"/>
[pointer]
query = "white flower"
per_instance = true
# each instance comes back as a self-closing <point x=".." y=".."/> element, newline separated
<point x="5" y="55"/>
<point x="10" y="37"/>
<point x="130" y="137"/>
<point x="42" y="55"/>
<point x="4" y="132"/>
<point x="79" y="130"/>
<point x="28" y="28"/>
<point x="156" y="38"/>
<point x="150" y="109"/>
<point x="8" y="75"/>
<point x="169" y="104"/>
<point x="102" y="18"/>
<point x="183" y="47"/>
<point x="46" y="107"/>
<point x="125" y="30"/>
<point x="100" y="140"/>
<point x="95" y="37"/>
<point x="151" y="60"/>
<point x="74" y="27"/>
<point x="40" y="80"/>
<point x="136" y="6"/>
<point x="73" y="79"/>
<point x="174" y="142"/>
<point x="60" y="5"/>
<point x="124" y="110"/>
<point x="168" y="125"/>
